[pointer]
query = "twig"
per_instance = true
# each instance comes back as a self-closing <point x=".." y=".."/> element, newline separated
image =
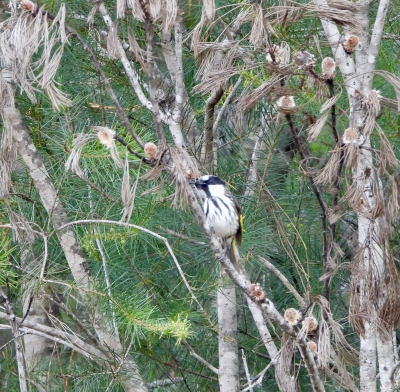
<point x="64" y="342"/>
<point x="181" y="236"/>
<point x="116" y="371"/>
<point x="178" y="73"/>
<point x="143" y="280"/>
<point x="257" y="380"/>
<point x="70" y="340"/>
<point x="17" y="340"/>
<point x="28" y="309"/>
<point x="246" y="369"/>
<point x="10" y="341"/>
<point x="98" y="189"/>
<point x="130" y="149"/>
<point x="57" y="300"/>
<point x="225" y="105"/>
<point x="253" y="169"/>
<point x="163" y="383"/>
<point x="44" y="262"/>
<point x="282" y="278"/>
<point x="315" y="189"/>
<point x="108" y="283"/>
<point x="132" y="75"/>
<point x="199" y="358"/>
<point x="36" y="385"/>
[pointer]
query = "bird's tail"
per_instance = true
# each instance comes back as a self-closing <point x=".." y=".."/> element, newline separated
<point x="233" y="255"/>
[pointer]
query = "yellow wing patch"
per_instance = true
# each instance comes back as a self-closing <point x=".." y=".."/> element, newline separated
<point x="241" y="217"/>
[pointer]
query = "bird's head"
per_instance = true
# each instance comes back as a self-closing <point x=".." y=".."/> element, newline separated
<point x="211" y="185"/>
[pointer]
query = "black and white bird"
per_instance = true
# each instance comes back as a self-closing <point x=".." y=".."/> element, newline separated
<point x="223" y="213"/>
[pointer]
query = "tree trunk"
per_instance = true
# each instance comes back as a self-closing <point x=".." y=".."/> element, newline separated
<point x="228" y="375"/>
<point x="36" y="348"/>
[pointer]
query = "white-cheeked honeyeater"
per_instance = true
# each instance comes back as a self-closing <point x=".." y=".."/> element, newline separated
<point x="223" y="213"/>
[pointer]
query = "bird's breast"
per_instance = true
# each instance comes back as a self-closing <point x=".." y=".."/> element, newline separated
<point x="221" y="216"/>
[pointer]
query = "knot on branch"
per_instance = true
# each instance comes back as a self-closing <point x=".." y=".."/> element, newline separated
<point x="304" y="60"/>
<point x="27" y="5"/>
<point x="257" y="293"/>
<point x="292" y="316"/>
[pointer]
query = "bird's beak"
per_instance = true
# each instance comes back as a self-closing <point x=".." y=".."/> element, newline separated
<point x="196" y="182"/>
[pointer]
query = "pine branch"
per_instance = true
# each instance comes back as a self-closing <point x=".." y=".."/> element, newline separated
<point x="120" y="111"/>
<point x="165" y="240"/>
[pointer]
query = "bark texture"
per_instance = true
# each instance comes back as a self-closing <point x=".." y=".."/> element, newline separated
<point x="228" y="375"/>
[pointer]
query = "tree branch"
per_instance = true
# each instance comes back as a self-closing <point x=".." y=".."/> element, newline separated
<point x="282" y="278"/>
<point x="132" y="76"/>
<point x="9" y="315"/>
<point x="199" y="358"/>
<point x="209" y="141"/>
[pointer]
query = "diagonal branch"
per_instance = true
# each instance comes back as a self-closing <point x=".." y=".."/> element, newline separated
<point x="282" y="278"/>
<point x="376" y="35"/>
<point x="132" y="76"/>
<point x="199" y="358"/>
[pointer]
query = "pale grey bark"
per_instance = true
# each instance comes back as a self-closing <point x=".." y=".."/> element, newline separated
<point x="384" y="345"/>
<point x="368" y="359"/>
<point x="208" y="152"/>
<point x="228" y="370"/>
<point x="9" y="315"/>
<point x="36" y="348"/>
<point x="180" y="90"/>
<point x="173" y="60"/>
<point x="253" y="170"/>
<point x="263" y="330"/>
